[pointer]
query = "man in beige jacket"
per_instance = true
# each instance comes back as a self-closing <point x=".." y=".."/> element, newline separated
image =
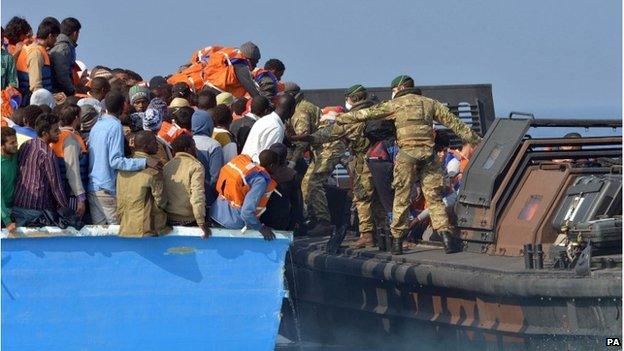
<point x="140" y="195"/>
<point x="184" y="186"/>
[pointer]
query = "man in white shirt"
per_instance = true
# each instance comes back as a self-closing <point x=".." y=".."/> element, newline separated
<point x="260" y="106"/>
<point x="269" y="129"/>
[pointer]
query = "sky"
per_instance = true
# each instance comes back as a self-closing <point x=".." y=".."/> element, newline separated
<point x="555" y="58"/>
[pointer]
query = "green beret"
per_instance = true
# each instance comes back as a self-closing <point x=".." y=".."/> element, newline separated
<point x="355" y="89"/>
<point x="400" y="80"/>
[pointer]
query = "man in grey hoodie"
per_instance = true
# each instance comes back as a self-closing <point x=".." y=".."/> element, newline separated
<point x="63" y="57"/>
<point x="209" y="151"/>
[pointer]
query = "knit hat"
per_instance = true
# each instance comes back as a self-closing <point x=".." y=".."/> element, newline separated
<point x="401" y="80"/>
<point x="88" y="116"/>
<point x="225" y="98"/>
<point x="158" y="104"/>
<point x="101" y="72"/>
<point x="138" y="92"/>
<point x="251" y="51"/>
<point x="42" y="97"/>
<point x="355" y="89"/>
<point x="179" y="102"/>
<point x="291" y="88"/>
<point x="152" y="119"/>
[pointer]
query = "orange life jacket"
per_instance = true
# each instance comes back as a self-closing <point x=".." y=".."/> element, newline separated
<point x="169" y="132"/>
<point x="220" y="72"/>
<point x="58" y="146"/>
<point x="213" y="65"/>
<point x="202" y="55"/>
<point x="21" y="66"/>
<point x="83" y="159"/>
<point x="11" y="99"/>
<point x="234" y="178"/>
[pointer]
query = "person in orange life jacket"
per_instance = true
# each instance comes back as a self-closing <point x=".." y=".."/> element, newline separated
<point x="33" y="63"/>
<point x="244" y="189"/>
<point x="18" y="33"/>
<point x="169" y="129"/>
<point x="72" y="155"/>
<point x="184" y="187"/>
<point x="160" y="88"/>
<point x="63" y="58"/>
<point x="242" y="69"/>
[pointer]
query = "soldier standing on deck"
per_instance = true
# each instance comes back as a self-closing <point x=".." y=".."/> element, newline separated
<point x="413" y="117"/>
<point x="306" y="120"/>
<point x="353" y="135"/>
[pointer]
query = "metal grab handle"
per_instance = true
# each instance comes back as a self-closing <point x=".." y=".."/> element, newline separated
<point x="516" y="113"/>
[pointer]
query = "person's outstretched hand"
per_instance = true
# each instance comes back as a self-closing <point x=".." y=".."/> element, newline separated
<point x="267" y="233"/>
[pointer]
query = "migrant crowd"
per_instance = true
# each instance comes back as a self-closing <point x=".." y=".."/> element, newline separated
<point x="221" y="142"/>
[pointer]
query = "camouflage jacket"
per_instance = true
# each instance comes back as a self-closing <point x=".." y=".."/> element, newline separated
<point x="413" y="117"/>
<point x="351" y="134"/>
<point x="305" y="120"/>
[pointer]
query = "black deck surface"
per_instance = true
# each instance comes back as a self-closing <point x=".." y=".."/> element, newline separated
<point x="432" y="254"/>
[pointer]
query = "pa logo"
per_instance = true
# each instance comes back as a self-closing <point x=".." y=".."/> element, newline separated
<point x="614" y="342"/>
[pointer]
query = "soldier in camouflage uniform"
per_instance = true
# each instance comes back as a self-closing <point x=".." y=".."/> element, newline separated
<point x="364" y="196"/>
<point x="306" y="120"/>
<point x="413" y="116"/>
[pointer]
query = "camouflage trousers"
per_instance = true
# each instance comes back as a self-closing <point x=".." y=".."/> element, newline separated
<point x="313" y="184"/>
<point x="365" y="197"/>
<point x="406" y="172"/>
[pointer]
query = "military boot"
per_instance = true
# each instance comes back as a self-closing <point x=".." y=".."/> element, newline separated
<point x="365" y="240"/>
<point x="397" y="246"/>
<point x="451" y="243"/>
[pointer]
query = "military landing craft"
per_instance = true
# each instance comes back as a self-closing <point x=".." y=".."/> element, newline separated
<point x="540" y="220"/>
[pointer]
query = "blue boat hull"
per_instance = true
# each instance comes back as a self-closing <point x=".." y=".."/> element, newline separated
<point x="110" y="293"/>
